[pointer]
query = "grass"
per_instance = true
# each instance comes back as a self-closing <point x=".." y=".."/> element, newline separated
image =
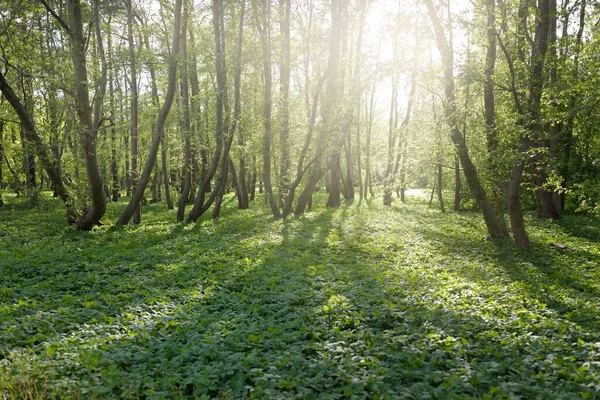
<point x="358" y="302"/>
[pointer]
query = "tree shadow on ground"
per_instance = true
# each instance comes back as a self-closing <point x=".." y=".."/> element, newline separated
<point x="331" y="304"/>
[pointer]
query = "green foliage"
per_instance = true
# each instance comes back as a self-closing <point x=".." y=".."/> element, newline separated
<point x="350" y="303"/>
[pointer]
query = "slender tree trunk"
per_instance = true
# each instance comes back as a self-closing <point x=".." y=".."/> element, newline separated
<point x="284" y="79"/>
<point x="329" y="122"/>
<point x="134" y="107"/>
<point x="186" y="128"/>
<point x="163" y="144"/>
<point x="165" y="170"/>
<point x="496" y="228"/>
<point x="370" y="115"/>
<point x="32" y="135"/>
<point x="513" y="200"/>
<point x="253" y="180"/>
<point x="330" y="119"/>
<point x="220" y="192"/>
<point x="389" y="176"/>
<point x="440" y="187"/>
<point x="457" y="183"/>
<point x="160" y="121"/>
<point x="224" y="128"/>
<point x="265" y="33"/>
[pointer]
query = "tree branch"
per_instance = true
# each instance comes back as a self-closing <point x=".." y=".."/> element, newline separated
<point x="57" y="17"/>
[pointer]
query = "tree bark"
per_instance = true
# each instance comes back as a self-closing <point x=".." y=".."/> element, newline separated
<point x="134" y="107"/>
<point x="160" y="121"/>
<point x="496" y="227"/>
<point x="265" y="33"/>
<point x="224" y="128"/>
<point x="32" y="135"/>
<point x="284" y="80"/>
<point x="88" y="133"/>
<point x="186" y="128"/>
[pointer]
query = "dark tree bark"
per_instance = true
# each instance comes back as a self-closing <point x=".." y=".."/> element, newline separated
<point x="496" y="227"/>
<point x="89" y="127"/>
<point x="457" y="183"/>
<point x="529" y="113"/>
<point x="226" y="163"/>
<point x="160" y="121"/>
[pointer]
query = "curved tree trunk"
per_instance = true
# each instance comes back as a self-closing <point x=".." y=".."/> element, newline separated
<point x="42" y="151"/>
<point x="495" y="226"/>
<point x="160" y="122"/>
<point x="88" y="132"/>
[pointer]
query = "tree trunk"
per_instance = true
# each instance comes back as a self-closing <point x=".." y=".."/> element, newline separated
<point x="186" y="128"/>
<point x="225" y="129"/>
<point x="440" y="187"/>
<point x="165" y="171"/>
<point x="32" y="135"/>
<point x="513" y="200"/>
<point x="284" y="80"/>
<point x="333" y="94"/>
<point x="134" y="108"/>
<point x="88" y="132"/>
<point x="160" y="121"/>
<point x="496" y="227"/>
<point x="265" y="33"/>
<point x="114" y="170"/>
<point x="457" y="183"/>
<point x="389" y="176"/>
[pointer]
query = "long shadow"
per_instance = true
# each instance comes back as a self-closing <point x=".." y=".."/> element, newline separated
<point x="314" y="307"/>
<point x="580" y="226"/>
<point x="549" y="275"/>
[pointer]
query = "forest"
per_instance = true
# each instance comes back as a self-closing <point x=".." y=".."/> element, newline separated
<point x="299" y="199"/>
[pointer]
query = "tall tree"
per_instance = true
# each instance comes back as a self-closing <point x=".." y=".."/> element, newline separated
<point x="33" y="137"/>
<point x="160" y="121"/>
<point x="134" y="105"/>
<point x="186" y="127"/>
<point x="264" y="28"/>
<point x="495" y="226"/>
<point x="88" y="126"/>
<point x="284" y="80"/>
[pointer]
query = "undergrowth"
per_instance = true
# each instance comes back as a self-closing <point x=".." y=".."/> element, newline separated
<point x="362" y="301"/>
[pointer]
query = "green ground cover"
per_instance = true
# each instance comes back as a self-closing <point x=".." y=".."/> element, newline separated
<point x="359" y="302"/>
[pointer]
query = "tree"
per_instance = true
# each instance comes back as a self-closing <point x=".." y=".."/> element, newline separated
<point x="160" y="121"/>
<point x="496" y="227"/>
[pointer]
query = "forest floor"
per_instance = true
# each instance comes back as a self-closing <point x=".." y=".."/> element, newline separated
<point x="361" y="301"/>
